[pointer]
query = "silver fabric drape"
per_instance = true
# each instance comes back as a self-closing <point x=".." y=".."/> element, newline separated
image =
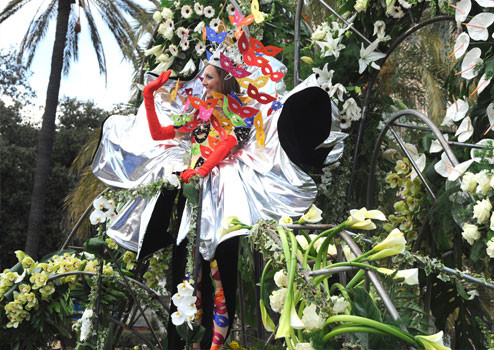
<point x="253" y="182"/>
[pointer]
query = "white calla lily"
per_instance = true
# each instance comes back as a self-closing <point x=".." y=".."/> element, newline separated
<point x="470" y="62"/>
<point x="477" y="27"/>
<point x="465" y="130"/>
<point x="432" y="342"/>
<point x="295" y="321"/>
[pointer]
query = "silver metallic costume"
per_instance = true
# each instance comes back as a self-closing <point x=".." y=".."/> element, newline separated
<point x="253" y="182"/>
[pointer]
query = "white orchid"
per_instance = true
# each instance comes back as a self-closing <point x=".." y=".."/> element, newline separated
<point x="369" y="56"/>
<point x="420" y="161"/>
<point x="477" y="27"/>
<point x="465" y="130"/>
<point x="470" y="62"/>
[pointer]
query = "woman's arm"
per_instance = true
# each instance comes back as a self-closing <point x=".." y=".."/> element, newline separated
<point x="158" y="132"/>
<point x="220" y="152"/>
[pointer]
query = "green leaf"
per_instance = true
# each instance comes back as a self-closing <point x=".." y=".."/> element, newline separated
<point x="191" y="193"/>
<point x="477" y="250"/>
<point x="95" y="246"/>
<point x="198" y="333"/>
<point x="363" y="305"/>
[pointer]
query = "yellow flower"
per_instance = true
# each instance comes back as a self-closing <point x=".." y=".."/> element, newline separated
<point x="432" y="342"/>
<point x="285" y="220"/>
<point x="394" y="238"/>
<point x="360" y="219"/>
<point x="312" y="216"/>
<point x="307" y="59"/>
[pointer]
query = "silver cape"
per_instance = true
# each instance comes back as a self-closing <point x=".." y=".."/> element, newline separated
<point x="253" y="182"/>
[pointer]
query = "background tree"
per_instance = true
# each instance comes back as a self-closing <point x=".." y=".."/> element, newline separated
<point x="116" y="15"/>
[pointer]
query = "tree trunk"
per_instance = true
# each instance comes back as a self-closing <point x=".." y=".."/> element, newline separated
<point x="47" y="132"/>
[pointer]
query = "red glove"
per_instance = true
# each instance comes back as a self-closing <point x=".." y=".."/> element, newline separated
<point x="219" y="153"/>
<point x="158" y="132"/>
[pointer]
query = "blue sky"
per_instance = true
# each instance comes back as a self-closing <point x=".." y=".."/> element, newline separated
<point x="84" y="81"/>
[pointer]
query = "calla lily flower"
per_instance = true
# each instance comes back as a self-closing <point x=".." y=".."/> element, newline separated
<point x="266" y="320"/>
<point x="391" y="251"/>
<point x="436" y="146"/>
<point x="432" y="342"/>
<point x="366" y="225"/>
<point x="411" y="276"/>
<point x="485" y="3"/>
<point x="463" y="8"/>
<point x="362" y="214"/>
<point x="446" y="169"/>
<point x="465" y="130"/>
<point x="295" y="321"/>
<point x="477" y="27"/>
<point x="470" y="62"/>
<point x="369" y="56"/>
<point x="285" y="220"/>
<point x="394" y="238"/>
<point x="461" y="45"/>
<point x="312" y="216"/>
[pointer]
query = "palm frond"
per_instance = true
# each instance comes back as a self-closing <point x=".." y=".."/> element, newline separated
<point x="71" y="51"/>
<point x="12" y="7"/>
<point x="96" y="41"/>
<point x="36" y="32"/>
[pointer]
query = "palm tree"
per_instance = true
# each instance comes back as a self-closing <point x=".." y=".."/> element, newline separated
<point x="116" y="15"/>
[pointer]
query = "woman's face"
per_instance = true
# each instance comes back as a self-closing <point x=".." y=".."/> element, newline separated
<point x="211" y="81"/>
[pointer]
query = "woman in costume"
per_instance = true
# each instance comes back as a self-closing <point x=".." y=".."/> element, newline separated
<point x="262" y="179"/>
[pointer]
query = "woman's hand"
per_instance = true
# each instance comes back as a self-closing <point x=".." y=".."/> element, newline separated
<point x="150" y="88"/>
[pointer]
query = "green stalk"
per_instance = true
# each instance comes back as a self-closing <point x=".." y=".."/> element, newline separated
<point x="358" y="276"/>
<point x="394" y="331"/>
<point x="264" y="271"/>
<point x="331" y="232"/>
<point x="291" y="259"/>
<point x="342" y="290"/>
<point x="352" y="329"/>
<point x="318" y="279"/>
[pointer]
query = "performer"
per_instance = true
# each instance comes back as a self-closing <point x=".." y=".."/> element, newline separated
<point x="242" y="176"/>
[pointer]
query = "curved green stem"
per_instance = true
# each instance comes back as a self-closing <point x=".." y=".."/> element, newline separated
<point x="342" y="289"/>
<point x="264" y="271"/>
<point x="357" y="278"/>
<point x="318" y="279"/>
<point x="394" y="331"/>
<point x="352" y="329"/>
<point x="331" y="232"/>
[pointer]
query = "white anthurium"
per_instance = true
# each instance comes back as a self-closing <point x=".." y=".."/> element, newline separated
<point x="446" y="169"/>
<point x="455" y="112"/>
<point x="420" y="161"/>
<point x="412" y="150"/>
<point x="461" y="45"/>
<point x="189" y="68"/>
<point x="323" y="75"/>
<point x="436" y="146"/>
<point x="490" y="113"/>
<point x="485" y="3"/>
<point x="465" y="130"/>
<point x="477" y="27"/>
<point x="463" y="8"/>
<point x="369" y="56"/>
<point x="483" y="83"/>
<point x="470" y="62"/>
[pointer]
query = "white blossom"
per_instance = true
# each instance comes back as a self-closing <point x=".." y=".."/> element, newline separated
<point x="311" y="319"/>
<point x="482" y="210"/>
<point x="470" y="233"/>
<point x="277" y="299"/>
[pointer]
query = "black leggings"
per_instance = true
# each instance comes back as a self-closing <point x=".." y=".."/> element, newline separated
<point x="157" y="237"/>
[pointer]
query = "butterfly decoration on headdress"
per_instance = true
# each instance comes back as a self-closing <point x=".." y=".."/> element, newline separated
<point x="212" y="36"/>
<point x="238" y="21"/>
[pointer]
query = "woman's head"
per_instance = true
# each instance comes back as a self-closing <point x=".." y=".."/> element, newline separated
<point x="214" y="80"/>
